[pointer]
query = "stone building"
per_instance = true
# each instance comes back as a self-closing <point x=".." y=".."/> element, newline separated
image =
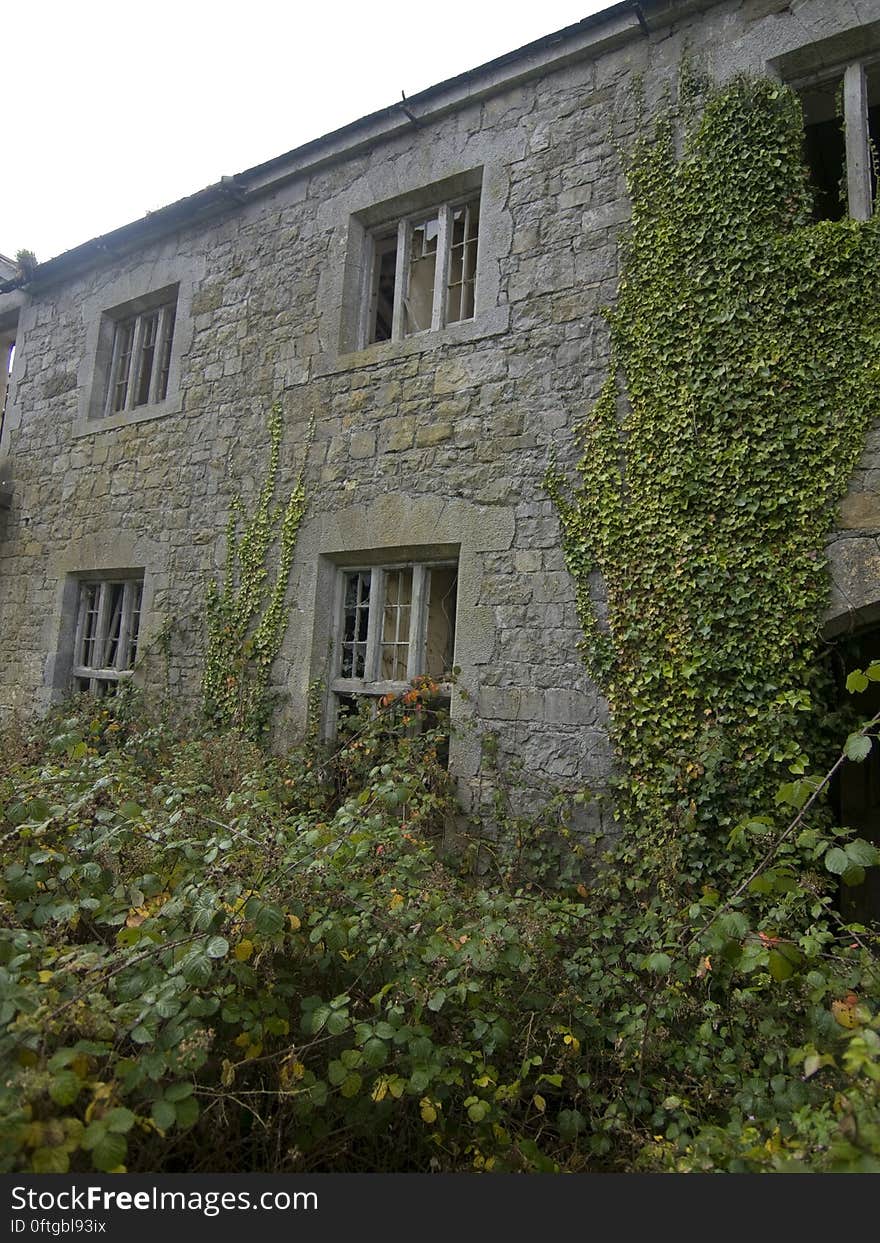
<point x="425" y="284"/>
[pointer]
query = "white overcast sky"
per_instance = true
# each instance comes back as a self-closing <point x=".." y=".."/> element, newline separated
<point x="113" y="108"/>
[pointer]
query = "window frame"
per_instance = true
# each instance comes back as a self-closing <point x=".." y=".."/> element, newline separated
<point x="443" y="210"/>
<point x="851" y="76"/>
<point x="373" y="687"/>
<point x="101" y="676"/>
<point x="132" y="359"/>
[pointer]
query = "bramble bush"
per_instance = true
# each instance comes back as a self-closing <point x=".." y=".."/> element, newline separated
<point x="214" y="959"/>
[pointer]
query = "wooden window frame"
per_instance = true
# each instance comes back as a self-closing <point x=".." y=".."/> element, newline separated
<point x="127" y="365"/>
<point x="440" y="307"/>
<point x="370" y="685"/>
<point x="852" y="78"/>
<point x="99" y="674"/>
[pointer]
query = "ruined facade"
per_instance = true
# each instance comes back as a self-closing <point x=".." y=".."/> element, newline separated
<point x="425" y="285"/>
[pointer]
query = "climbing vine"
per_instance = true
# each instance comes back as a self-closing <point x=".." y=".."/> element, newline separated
<point x="247" y="616"/>
<point x="744" y="374"/>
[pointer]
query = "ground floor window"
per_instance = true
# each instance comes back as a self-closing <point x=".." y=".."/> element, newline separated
<point x="393" y="623"/>
<point x="107" y="623"/>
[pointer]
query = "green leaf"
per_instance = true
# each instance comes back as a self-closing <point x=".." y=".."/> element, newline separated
<point x="50" y="1161"/>
<point x="187" y="1111"/>
<point x="862" y="853"/>
<point x="837" y="861"/>
<point x="164" y="1114"/>
<point x="659" y="963"/>
<point x="178" y="1091"/>
<point x="337" y="1022"/>
<point x="93" y="1134"/>
<point x="780" y="968"/>
<point x="217" y="947"/>
<point x="119" y="1120"/>
<point x="435" y="1003"/>
<point x="571" y="1123"/>
<point x="197" y="970"/>
<point x="375" y="1052"/>
<point x="856" y="682"/>
<point x="268" y="920"/>
<point x="853" y="876"/>
<point x="109" y="1152"/>
<point x="65" y="1087"/>
<point x="351" y="1085"/>
<point x="857" y="747"/>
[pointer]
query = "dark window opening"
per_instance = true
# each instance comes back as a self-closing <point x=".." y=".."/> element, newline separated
<point x="825" y="141"/>
<point x="825" y="148"/>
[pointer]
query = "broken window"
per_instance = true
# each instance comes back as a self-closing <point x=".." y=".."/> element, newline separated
<point x="422" y="272"/>
<point x="841" y="132"/>
<point x="394" y="623"/>
<point x="107" y="625"/>
<point x="141" y="358"/>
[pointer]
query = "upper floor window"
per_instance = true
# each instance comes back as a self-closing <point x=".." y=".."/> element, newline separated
<point x="107" y="625"/>
<point x="422" y="271"/>
<point x="394" y="623"/>
<point x="842" y="129"/>
<point x="141" y="358"/>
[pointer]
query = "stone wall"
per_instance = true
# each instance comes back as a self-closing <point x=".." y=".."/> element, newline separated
<point x="442" y="439"/>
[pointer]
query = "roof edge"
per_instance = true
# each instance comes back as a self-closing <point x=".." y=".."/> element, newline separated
<point x="599" y="32"/>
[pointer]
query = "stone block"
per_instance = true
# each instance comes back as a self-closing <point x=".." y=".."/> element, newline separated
<point x="362" y="445"/>
<point x="433" y="434"/>
<point x="860" y="511"/>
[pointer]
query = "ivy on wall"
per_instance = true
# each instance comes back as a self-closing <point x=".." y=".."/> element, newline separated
<point x="744" y="374"/>
<point x="247" y="615"/>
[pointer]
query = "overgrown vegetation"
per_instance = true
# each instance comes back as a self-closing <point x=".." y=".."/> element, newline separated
<point x="215" y="959"/>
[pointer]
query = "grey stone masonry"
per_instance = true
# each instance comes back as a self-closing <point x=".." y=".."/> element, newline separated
<point x="426" y="447"/>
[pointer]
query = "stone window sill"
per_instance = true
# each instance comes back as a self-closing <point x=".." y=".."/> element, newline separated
<point x="487" y="324"/>
<point x="144" y="414"/>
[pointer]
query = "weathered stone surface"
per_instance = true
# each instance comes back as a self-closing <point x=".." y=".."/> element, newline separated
<point x="860" y="511"/>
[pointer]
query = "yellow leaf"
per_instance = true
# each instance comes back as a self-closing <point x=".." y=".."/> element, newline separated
<point x="45" y="976"/>
<point x="429" y="1113"/>
<point x="539" y="1102"/>
<point x="243" y="950"/>
<point x="396" y="900"/>
<point x="380" y="1090"/>
<point x="295" y="923"/>
<point x="844" y="1014"/>
<point x="227" y="1074"/>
